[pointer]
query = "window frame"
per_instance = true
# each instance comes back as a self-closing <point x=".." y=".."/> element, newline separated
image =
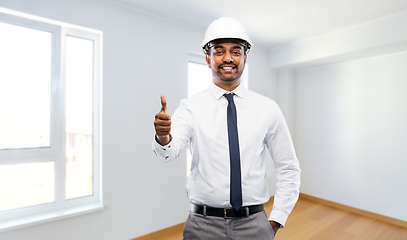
<point x="61" y="208"/>
<point x="27" y="155"/>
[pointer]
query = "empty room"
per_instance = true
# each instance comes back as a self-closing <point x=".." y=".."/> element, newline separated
<point x="86" y="85"/>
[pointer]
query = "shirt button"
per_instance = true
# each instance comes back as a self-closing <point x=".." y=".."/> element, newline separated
<point x="166" y="157"/>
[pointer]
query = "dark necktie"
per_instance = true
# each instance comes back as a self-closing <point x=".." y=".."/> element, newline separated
<point x="235" y="175"/>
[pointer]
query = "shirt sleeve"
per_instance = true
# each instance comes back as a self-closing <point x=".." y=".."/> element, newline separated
<point x="282" y="151"/>
<point x="181" y="133"/>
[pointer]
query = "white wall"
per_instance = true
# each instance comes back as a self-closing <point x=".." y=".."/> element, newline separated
<point x="349" y="113"/>
<point x="263" y="80"/>
<point x="351" y="133"/>
<point x="144" y="56"/>
<point x="371" y="39"/>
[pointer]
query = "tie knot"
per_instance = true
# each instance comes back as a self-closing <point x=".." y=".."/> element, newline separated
<point x="229" y="96"/>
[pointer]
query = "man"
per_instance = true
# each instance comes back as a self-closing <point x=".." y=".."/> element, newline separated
<point x="229" y="128"/>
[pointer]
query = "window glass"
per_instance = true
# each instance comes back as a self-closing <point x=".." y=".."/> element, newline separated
<point x="50" y="105"/>
<point x="199" y="78"/>
<point x="79" y="117"/>
<point x="25" y="87"/>
<point x="28" y="184"/>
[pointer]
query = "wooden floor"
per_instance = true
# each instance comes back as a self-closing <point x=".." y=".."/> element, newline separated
<point x="311" y="220"/>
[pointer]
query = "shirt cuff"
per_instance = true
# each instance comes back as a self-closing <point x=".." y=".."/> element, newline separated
<point x="160" y="150"/>
<point x="278" y="216"/>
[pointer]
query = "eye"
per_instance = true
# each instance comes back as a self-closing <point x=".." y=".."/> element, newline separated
<point x="218" y="52"/>
<point x="236" y="53"/>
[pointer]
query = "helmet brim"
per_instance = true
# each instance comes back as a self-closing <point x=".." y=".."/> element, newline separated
<point x="217" y="41"/>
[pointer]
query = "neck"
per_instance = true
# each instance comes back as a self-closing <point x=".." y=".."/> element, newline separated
<point x="228" y="86"/>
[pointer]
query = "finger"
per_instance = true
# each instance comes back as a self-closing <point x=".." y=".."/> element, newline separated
<point x="163" y="116"/>
<point x="162" y="129"/>
<point x="163" y="104"/>
<point x="162" y="126"/>
<point x="163" y="132"/>
<point x="162" y="122"/>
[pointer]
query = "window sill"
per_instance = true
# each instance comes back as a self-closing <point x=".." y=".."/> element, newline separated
<point x="14" y="224"/>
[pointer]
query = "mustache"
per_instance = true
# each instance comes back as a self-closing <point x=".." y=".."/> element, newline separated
<point x="228" y="64"/>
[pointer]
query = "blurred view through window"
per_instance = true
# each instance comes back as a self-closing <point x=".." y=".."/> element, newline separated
<point x="25" y="87"/>
<point x="78" y="115"/>
<point x="29" y="114"/>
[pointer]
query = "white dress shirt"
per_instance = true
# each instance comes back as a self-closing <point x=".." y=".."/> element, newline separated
<point x="201" y="121"/>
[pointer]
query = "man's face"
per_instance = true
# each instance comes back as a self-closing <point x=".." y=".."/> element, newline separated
<point x="227" y="61"/>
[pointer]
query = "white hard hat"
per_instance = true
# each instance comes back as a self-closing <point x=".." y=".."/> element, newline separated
<point x="226" y="28"/>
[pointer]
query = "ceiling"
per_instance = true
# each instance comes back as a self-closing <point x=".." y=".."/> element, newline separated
<point x="274" y="23"/>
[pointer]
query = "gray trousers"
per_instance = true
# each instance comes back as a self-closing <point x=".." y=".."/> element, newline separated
<point x="253" y="227"/>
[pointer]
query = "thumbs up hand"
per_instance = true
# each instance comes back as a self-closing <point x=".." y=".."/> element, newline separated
<point x="162" y="123"/>
<point x="163" y="104"/>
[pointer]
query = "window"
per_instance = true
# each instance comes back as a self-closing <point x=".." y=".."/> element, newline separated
<point x="50" y="125"/>
<point x="199" y="79"/>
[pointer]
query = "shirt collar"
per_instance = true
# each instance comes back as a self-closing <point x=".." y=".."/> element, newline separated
<point x="218" y="92"/>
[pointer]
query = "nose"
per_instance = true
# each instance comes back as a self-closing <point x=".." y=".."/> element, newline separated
<point x="227" y="58"/>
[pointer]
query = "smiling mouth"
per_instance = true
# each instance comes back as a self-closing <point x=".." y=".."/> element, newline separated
<point x="227" y="68"/>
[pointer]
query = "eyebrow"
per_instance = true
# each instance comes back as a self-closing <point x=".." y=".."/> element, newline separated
<point x="234" y="47"/>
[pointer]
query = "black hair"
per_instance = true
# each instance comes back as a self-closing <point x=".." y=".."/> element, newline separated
<point x="214" y="42"/>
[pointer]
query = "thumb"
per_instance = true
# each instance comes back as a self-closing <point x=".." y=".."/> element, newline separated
<point x="163" y="104"/>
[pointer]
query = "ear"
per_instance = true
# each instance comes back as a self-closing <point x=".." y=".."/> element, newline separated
<point x="245" y="58"/>
<point x="208" y="60"/>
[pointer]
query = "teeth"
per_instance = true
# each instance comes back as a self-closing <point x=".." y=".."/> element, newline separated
<point x="227" y="68"/>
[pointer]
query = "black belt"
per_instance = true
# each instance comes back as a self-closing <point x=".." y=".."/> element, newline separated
<point x="226" y="212"/>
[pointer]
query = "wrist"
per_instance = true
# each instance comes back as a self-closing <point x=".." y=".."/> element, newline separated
<point x="275" y="225"/>
<point x="163" y="140"/>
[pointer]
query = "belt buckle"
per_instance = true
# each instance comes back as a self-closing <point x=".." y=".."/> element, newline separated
<point x="225" y="215"/>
